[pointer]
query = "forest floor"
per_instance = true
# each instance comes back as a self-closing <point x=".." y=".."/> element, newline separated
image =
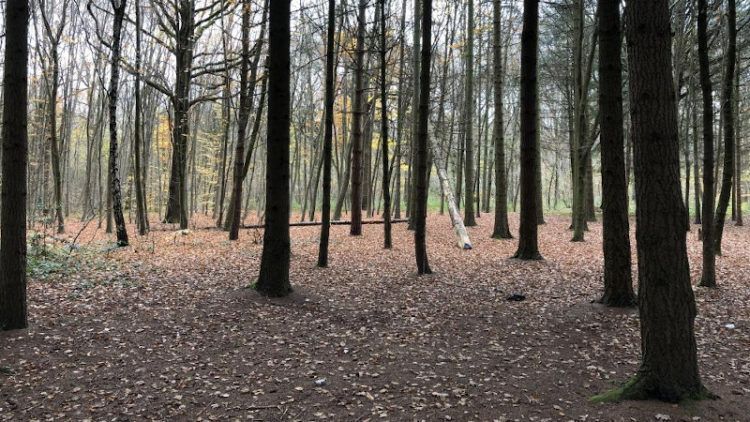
<point x="167" y="330"/>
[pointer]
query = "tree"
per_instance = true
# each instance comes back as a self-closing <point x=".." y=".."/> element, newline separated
<point x="669" y="366"/>
<point x="618" y="286"/>
<point x="13" y="310"/>
<point x="114" y="80"/>
<point x="357" y="123"/>
<point x="244" y="115"/>
<point x="708" y="277"/>
<point x="501" y="230"/>
<point x="387" y="242"/>
<point x="54" y="36"/>
<point x="420" y="205"/>
<point x="528" y="248"/>
<point x="727" y="116"/>
<point x="325" y="228"/>
<point x="469" y="217"/>
<point x="274" y="266"/>
<point x="140" y="195"/>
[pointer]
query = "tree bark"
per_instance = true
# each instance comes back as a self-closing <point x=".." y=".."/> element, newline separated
<point x="528" y="248"/>
<point x="469" y="217"/>
<point x="669" y="367"/>
<point x="274" y="267"/>
<point x="387" y="238"/>
<point x="618" y="285"/>
<point x="728" y="119"/>
<point x="114" y="80"/>
<point x="422" y="145"/>
<point x="15" y="146"/>
<point x="501" y="230"/>
<point x="325" y="228"/>
<point x="357" y="122"/>
<point x="708" y="277"/>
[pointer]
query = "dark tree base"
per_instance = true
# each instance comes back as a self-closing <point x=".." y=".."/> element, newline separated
<point x="528" y="255"/>
<point x="272" y="290"/>
<point x="642" y="387"/>
<point x="502" y="235"/>
<point x="615" y="300"/>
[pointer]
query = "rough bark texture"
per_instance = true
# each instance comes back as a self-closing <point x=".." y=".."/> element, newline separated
<point x="325" y="228"/>
<point x="708" y="277"/>
<point x="243" y="117"/>
<point x="357" y="122"/>
<point x="501" y="230"/>
<point x="528" y="247"/>
<point x="140" y="195"/>
<point x="13" y="311"/>
<point x="420" y="203"/>
<point x="469" y="217"/>
<point x="177" y="205"/>
<point x="114" y="81"/>
<point x="274" y="266"/>
<point x="728" y="119"/>
<point x="669" y="366"/>
<point x="387" y="238"/>
<point x="618" y="285"/>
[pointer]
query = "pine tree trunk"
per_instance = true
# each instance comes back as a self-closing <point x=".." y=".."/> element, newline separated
<point x="618" y="285"/>
<point x="357" y="123"/>
<point x="422" y="145"/>
<point x="274" y="267"/>
<point x="728" y="119"/>
<point x="669" y="367"/>
<point x="325" y="227"/>
<point x="708" y="277"/>
<point x="528" y="248"/>
<point x="501" y="230"/>
<point x="15" y="145"/>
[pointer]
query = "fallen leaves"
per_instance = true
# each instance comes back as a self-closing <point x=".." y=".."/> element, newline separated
<point x="166" y="329"/>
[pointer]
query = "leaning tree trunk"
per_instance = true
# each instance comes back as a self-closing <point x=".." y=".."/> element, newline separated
<point x="462" y="237"/>
<point x="669" y="366"/>
<point x="119" y="15"/>
<point x="708" y="277"/>
<point x="728" y="119"/>
<point x="15" y="144"/>
<point x="618" y="285"/>
<point x="274" y="266"/>
<point x="528" y="248"/>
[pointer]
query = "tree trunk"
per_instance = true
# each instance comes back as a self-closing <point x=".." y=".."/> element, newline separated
<point x="387" y="241"/>
<point x="15" y="145"/>
<point x="119" y="15"/>
<point x="422" y="184"/>
<point x="669" y="367"/>
<point x="528" y="248"/>
<point x="358" y="112"/>
<point x="243" y="117"/>
<point x="618" y="285"/>
<point x="728" y="119"/>
<point x="501" y="230"/>
<point x="708" y="277"/>
<point x="325" y="228"/>
<point x="140" y="195"/>
<point x="469" y="217"/>
<point x="274" y="267"/>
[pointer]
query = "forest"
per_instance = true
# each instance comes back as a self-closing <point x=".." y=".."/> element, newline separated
<point x="353" y="210"/>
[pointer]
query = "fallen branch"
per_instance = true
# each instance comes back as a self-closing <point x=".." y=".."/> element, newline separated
<point x="333" y="223"/>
